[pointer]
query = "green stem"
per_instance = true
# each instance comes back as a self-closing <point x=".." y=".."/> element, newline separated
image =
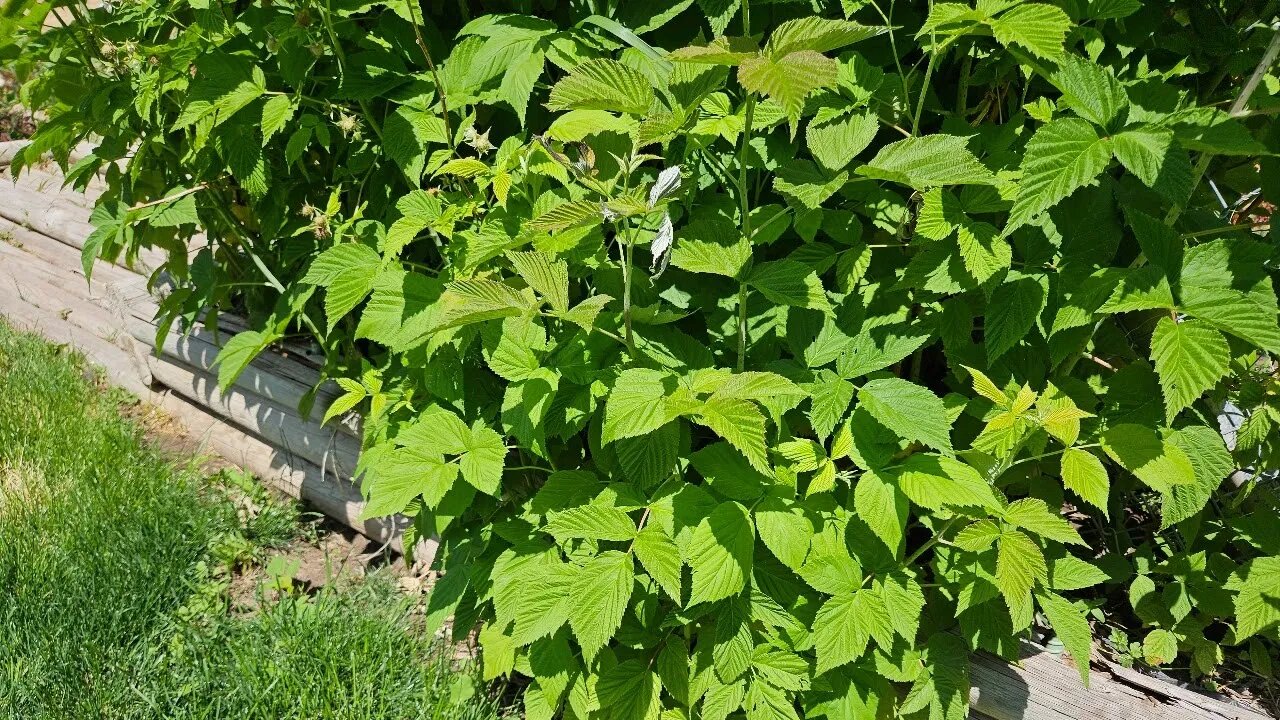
<point x="745" y="211"/>
<point x="627" y="253"/>
<point x="1224" y="228"/>
<point x="1051" y="453"/>
<point x="937" y="537"/>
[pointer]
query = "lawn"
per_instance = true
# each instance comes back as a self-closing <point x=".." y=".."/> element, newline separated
<point x="116" y="572"/>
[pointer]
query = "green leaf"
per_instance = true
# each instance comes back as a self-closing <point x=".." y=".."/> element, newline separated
<point x="817" y="34"/>
<point x="276" y="112"/>
<point x="883" y="507"/>
<point x="1072" y="628"/>
<point x="346" y="271"/>
<point x="584" y="314"/>
<point x="785" y="530"/>
<point x="578" y="213"/>
<point x="978" y="536"/>
<point x="401" y="310"/>
<point x="550" y="278"/>
<point x="471" y="301"/>
<point x="1257" y="602"/>
<point x="911" y="411"/>
<point x="790" y="282"/>
<point x="720" y="553"/>
<point x="1153" y="460"/>
<point x="1019" y="564"/>
<point x="480" y="450"/>
<point x="1084" y="475"/>
<point x="404" y="474"/>
<point x="636" y="404"/>
<point x="1151" y="155"/>
<point x="237" y="353"/>
<point x="1091" y="90"/>
<point x="804" y="185"/>
<point x="1159" y="647"/>
<point x="788" y="78"/>
<point x="741" y="424"/>
<point x="840" y="632"/>
<point x="1223" y="284"/>
<point x="603" y="84"/>
<point x="1190" y="358"/>
<point x="660" y="557"/>
<point x="712" y="244"/>
<point x="462" y="167"/>
<point x="831" y="397"/>
<point x="926" y="162"/>
<point x="1212" y="463"/>
<point x="1214" y="131"/>
<point x="482" y="462"/>
<point x="733" y="640"/>
<point x="985" y="252"/>
<point x="599" y="597"/>
<point x="1072" y="573"/>
<point x="1033" y="514"/>
<point x="835" y="142"/>
<point x="518" y="82"/>
<point x="629" y="691"/>
<point x="1062" y="157"/>
<point x="1011" y="313"/>
<point x="593" y="522"/>
<point x="1038" y="27"/>
<point x="936" y="481"/>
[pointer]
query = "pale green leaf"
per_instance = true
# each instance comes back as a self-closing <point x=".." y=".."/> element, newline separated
<point x="790" y="282"/>
<point x="1062" y="157"/>
<point x="603" y="84"/>
<point x="1038" y="27"/>
<point x="599" y="597"/>
<point x="929" y="161"/>
<point x="660" y="557"/>
<point x="909" y="410"/>
<point x="1084" y="474"/>
<point x="636" y="405"/>
<point x="1190" y="357"/>
<point x="1072" y="628"/>
<point x="1034" y="515"/>
<point x="720" y="553"/>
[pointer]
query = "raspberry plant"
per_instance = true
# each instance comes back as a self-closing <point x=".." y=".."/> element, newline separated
<point x="747" y="359"/>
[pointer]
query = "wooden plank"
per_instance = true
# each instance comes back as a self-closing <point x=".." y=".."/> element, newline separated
<point x="66" y="259"/>
<point x="49" y="181"/>
<point x="9" y="148"/>
<point x="275" y="378"/>
<point x="335" y="496"/>
<point x="119" y="365"/>
<point x="1045" y="686"/>
<point x="280" y="426"/>
<point x="62" y="221"/>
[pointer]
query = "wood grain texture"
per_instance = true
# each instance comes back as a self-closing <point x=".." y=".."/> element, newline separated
<point x="1045" y="686"/>
<point x="337" y="497"/>
<point x="280" y="426"/>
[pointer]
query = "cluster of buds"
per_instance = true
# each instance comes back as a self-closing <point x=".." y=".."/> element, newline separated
<point x="319" y="221"/>
<point x="348" y="125"/>
<point x="479" y="141"/>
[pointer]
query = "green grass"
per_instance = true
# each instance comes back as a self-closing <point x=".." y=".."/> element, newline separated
<point x="113" y="592"/>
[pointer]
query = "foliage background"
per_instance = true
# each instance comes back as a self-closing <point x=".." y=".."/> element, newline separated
<point x="936" y="312"/>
